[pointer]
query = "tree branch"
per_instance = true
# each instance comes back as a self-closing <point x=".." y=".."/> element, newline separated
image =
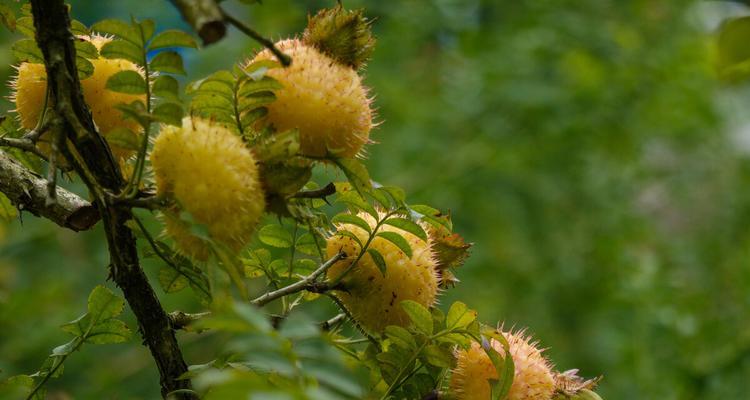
<point x="28" y="192"/>
<point x="93" y="160"/>
<point x="205" y="17"/>
<point x="307" y="283"/>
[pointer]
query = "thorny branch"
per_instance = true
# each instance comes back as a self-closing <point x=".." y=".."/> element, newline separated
<point x="94" y="163"/>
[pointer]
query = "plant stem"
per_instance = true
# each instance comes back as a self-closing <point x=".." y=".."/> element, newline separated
<point x="298" y="286"/>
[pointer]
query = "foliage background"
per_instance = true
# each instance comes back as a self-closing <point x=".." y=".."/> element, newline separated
<point x="586" y="148"/>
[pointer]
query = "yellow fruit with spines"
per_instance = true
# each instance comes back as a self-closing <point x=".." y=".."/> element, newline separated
<point x="30" y="86"/>
<point x="533" y="379"/>
<point x="322" y="98"/>
<point x="210" y="174"/>
<point x="372" y="298"/>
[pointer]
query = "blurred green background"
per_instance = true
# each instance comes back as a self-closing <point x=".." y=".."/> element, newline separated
<point x="586" y="147"/>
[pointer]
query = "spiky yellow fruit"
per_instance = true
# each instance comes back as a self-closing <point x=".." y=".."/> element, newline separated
<point x="324" y="99"/>
<point x="371" y="297"/>
<point x="211" y="175"/>
<point x="533" y="379"/>
<point x="30" y="86"/>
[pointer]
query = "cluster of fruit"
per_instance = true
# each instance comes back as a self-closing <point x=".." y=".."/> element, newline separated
<point x="208" y="172"/>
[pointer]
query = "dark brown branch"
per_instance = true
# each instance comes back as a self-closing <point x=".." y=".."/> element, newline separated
<point x="205" y="17"/>
<point x="28" y="192"/>
<point x="93" y="160"/>
<point x="284" y="59"/>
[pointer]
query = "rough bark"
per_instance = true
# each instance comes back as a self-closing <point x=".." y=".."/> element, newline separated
<point x="28" y="192"/>
<point x="93" y="161"/>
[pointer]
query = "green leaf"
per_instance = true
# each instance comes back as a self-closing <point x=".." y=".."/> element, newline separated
<point x="124" y="50"/>
<point x="390" y="197"/>
<point x="171" y="280"/>
<point x="16" y="387"/>
<point x="504" y="367"/>
<point x="378" y="259"/>
<point x="78" y="28"/>
<point x="136" y="110"/>
<point x="168" y="61"/>
<point x="25" y="26"/>
<point x="306" y="244"/>
<point x="27" y="50"/>
<point x="128" y="81"/>
<point x="419" y="315"/>
<point x="169" y="113"/>
<point x="586" y="394"/>
<point x="438" y="356"/>
<point x="120" y="29"/>
<point x="167" y="87"/>
<point x="408" y="226"/>
<point x="352" y="236"/>
<point x="354" y="201"/>
<point x="103" y="304"/>
<point x="275" y="236"/>
<point x="257" y="69"/>
<point x="147" y="27"/>
<point x="172" y="38"/>
<point x="249" y="117"/>
<point x="356" y="173"/>
<point x="459" y="316"/>
<point x="109" y="331"/>
<point x="432" y="216"/>
<point x="397" y="240"/>
<point x="85" y="68"/>
<point x="401" y="337"/>
<point x="124" y="138"/>
<point x="7" y="211"/>
<point x="8" y="17"/>
<point x="267" y="84"/>
<point x="382" y="198"/>
<point x="304" y="266"/>
<point x="352" y="219"/>
<point x="86" y="49"/>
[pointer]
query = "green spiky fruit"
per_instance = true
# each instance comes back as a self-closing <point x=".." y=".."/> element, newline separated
<point x="344" y="35"/>
<point x="533" y="379"/>
<point x="326" y="101"/>
<point x="371" y="297"/>
<point x="210" y="174"/>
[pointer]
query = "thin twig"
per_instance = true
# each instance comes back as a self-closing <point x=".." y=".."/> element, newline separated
<point x="181" y="320"/>
<point x="284" y="59"/>
<point x="307" y="283"/>
<point x="151" y="202"/>
<point x="321" y="193"/>
<point x="333" y="322"/>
